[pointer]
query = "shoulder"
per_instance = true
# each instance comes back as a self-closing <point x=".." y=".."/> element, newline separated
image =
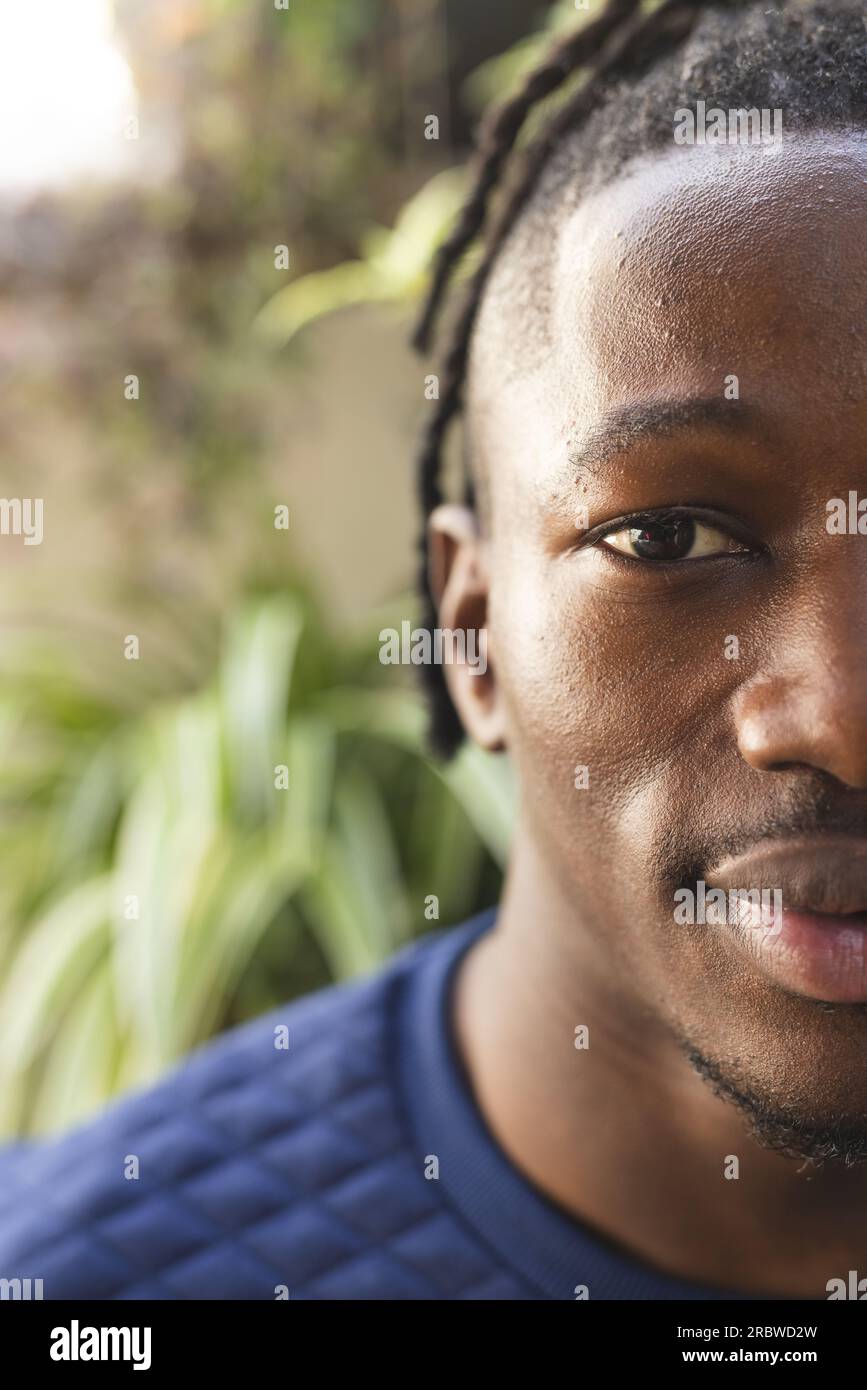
<point x="272" y="1157"/>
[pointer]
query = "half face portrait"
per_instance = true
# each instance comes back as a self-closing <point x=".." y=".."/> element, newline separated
<point x="519" y="952"/>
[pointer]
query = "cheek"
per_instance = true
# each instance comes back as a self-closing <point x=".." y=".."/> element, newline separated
<point x="601" y="675"/>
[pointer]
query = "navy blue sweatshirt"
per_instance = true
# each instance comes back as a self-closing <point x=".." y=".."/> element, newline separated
<point x="331" y="1149"/>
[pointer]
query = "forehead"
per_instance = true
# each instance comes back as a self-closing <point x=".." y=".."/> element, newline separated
<point x="690" y="266"/>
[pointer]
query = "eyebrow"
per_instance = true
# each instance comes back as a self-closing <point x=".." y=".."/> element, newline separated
<point x="620" y="429"/>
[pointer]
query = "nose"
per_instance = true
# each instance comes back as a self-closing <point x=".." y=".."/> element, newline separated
<point x="809" y="708"/>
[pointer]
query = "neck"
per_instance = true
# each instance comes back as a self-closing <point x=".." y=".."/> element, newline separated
<point x="622" y="1133"/>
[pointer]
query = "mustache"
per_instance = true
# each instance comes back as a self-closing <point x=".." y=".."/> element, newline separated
<point x="815" y="810"/>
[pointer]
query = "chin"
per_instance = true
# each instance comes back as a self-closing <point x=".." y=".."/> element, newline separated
<point x="792" y="1128"/>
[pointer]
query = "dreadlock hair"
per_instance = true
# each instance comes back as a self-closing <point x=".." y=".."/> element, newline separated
<point x="639" y="64"/>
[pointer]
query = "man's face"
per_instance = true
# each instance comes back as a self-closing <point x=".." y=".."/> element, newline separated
<point x="718" y="700"/>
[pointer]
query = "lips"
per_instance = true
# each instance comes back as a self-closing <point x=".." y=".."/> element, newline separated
<point x="817" y="945"/>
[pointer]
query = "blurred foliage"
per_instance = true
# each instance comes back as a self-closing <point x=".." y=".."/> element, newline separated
<point x="395" y="262"/>
<point x="394" y="267"/>
<point x="502" y="73"/>
<point x="168" y="885"/>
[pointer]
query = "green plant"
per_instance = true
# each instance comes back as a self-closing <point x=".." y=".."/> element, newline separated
<point x="393" y="267"/>
<point x="166" y="888"/>
<point x="394" y="264"/>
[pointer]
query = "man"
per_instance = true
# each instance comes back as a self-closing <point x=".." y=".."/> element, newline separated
<point x="592" y="1092"/>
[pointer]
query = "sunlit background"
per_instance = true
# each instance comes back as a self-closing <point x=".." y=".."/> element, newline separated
<point x="66" y="92"/>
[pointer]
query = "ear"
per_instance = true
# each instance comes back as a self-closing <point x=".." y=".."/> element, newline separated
<point x="459" y="581"/>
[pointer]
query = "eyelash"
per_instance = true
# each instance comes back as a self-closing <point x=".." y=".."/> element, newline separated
<point x="635" y="520"/>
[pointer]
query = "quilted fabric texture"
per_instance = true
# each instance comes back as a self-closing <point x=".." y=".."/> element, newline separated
<point x="305" y="1168"/>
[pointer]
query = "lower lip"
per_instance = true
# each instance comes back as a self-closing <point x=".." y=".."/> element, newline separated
<point x="813" y="954"/>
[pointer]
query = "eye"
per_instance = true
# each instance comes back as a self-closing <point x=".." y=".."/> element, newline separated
<point x="665" y="540"/>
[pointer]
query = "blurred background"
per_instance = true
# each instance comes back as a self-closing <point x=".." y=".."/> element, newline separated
<point x="215" y="221"/>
